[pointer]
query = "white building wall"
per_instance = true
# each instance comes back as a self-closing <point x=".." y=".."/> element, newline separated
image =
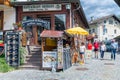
<point x="110" y="29"/>
<point x="9" y="18"/>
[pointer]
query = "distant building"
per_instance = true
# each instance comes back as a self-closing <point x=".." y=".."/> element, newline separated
<point x="105" y="28"/>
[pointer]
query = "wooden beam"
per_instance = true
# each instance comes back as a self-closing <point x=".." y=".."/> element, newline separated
<point x="1" y="1"/>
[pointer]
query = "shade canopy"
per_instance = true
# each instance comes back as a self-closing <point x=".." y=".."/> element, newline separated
<point x="77" y="30"/>
<point x="51" y="33"/>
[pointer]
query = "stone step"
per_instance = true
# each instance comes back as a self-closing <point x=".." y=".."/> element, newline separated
<point x="33" y="56"/>
<point x="37" y="50"/>
<point x="34" y="59"/>
<point x="37" y="63"/>
<point x="29" y="67"/>
<point x="34" y="52"/>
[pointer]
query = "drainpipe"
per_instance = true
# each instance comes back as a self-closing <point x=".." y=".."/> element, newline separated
<point x="73" y="15"/>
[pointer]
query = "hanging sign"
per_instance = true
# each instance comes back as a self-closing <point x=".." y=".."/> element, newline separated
<point x="42" y="7"/>
<point x="38" y="22"/>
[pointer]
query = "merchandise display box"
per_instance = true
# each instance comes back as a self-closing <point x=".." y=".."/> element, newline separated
<point x="12" y="49"/>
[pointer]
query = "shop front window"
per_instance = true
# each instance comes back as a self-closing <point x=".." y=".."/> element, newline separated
<point x="60" y="22"/>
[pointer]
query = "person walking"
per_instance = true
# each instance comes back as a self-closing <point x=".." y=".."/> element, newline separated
<point x="102" y="50"/>
<point x="96" y="48"/>
<point x="82" y="53"/>
<point x="89" y="49"/>
<point x="114" y="48"/>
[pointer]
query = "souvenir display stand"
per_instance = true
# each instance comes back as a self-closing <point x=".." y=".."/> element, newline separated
<point x="66" y="59"/>
<point x="12" y="48"/>
<point x="1" y="43"/>
<point x="54" y="55"/>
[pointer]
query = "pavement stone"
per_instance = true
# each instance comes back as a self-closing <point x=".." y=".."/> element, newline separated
<point x="95" y="69"/>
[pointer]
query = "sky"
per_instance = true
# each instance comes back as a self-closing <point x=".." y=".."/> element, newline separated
<point x="99" y="8"/>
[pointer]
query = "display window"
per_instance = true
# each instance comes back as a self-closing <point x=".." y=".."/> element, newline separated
<point x="60" y="22"/>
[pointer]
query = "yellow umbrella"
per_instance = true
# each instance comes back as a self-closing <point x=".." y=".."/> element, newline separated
<point x="77" y="30"/>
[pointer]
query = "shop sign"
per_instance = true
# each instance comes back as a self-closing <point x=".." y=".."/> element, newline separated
<point x="38" y="22"/>
<point x="49" y="58"/>
<point x="42" y="7"/>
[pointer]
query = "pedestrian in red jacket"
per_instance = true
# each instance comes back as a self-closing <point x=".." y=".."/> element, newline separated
<point x="96" y="48"/>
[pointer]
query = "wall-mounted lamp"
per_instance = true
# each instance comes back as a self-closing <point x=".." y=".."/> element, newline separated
<point x="68" y="6"/>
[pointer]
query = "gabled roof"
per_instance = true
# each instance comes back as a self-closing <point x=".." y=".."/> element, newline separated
<point x="77" y="3"/>
<point x="118" y="2"/>
<point x="83" y="17"/>
<point x="17" y="3"/>
<point x="51" y="33"/>
<point x="103" y="18"/>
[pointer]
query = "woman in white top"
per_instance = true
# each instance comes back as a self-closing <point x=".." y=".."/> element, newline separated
<point x="102" y="50"/>
<point x="82" y="52"/>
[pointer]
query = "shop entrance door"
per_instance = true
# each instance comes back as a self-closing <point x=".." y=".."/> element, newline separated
<point x="34" y="27"/>
<point x="29" y="30"/>
<point x="41" y="28"/>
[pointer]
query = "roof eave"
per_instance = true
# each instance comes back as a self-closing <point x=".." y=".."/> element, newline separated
<point x="83" y="17"/>
<point x="42" y="2"/>
<point x="118" y="2"/>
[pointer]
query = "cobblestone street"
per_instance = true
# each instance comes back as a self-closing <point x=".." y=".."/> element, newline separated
<point x="93" y="69"/>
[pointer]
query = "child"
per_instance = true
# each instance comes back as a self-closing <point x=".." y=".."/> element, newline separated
<point x="82" y="52"/>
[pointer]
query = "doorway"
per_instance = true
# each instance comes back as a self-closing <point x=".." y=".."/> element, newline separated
<point x="46" y="18"/>
<point x="34" y="27"/>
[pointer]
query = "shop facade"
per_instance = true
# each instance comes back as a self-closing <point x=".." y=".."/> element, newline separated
<point x="37" y="16"/>
<point x="7" y="15"/>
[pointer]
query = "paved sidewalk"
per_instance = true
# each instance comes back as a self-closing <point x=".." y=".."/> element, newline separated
<point x="94" y="69"/>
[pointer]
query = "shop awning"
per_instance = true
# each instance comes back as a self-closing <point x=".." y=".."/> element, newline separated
<point x="77" y="30"/>
<point x="89" y="37"/>
<point x="51" y="33"/>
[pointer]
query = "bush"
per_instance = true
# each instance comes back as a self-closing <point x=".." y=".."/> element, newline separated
<point x="4" y="67"/>
<point x="23" y="52"/>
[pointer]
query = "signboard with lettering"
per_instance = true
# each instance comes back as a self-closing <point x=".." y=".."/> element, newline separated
<point x="42" y="7"/>
<point x="38" y="22"/>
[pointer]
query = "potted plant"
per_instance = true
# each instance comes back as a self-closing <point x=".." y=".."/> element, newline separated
<point x="17" y="26"/>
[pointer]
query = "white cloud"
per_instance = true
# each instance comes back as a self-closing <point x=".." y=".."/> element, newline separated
<point x="98" y="2"/>
<point x="99" y="8"/>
